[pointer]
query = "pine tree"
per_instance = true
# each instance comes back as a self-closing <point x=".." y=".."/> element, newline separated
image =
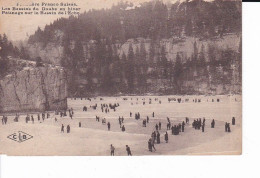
<point x="152" y="52"/>
<point x="130" y="73"/>
<point x="202" y="59"/>
<point x="178" y="68"/>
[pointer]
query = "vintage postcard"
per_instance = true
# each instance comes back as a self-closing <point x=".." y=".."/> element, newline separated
<point x="120" y="78"/>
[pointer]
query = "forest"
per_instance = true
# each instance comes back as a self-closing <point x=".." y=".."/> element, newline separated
<point x="95" y="63"/>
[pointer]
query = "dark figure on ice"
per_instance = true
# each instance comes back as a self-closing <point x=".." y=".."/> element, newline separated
<point x="172" y="128"/>
<point x="39" y="118"/>
<point x="168" y="126"/>
<point x="158" y="137"/>
<point x="144" y="123"/>
<point x="128" y="150"/>
<point x="187" y="120"/>
<point x="153" y="114"/>
<point x="108" y="126"/>
<point x="152" y="142"/>
<point x="233" y="121"/>
<point x="68" y="128"/>
<point x="153" y="136"/>
<point x="160" y="125"/>
<point x="203" y="126"/>
<point x="150" y="145"/>
<point x="32" y="119"/>
<point x="213" y="123"/>
<point x="112" y="149"/>
<point x="62" y="128"/>
<point x="166" y="137"/>
<point x="182" y="126"/>
<point x="226" y="127"/>
<point x="147" y="119"/>
<point x="156" y="127"/>
<point x="79" y="124"/>
<point x="130" y="114"/>
<point x="16" y="118"/>
<point x="27" y="118"/>
<point x="123" y="128"/>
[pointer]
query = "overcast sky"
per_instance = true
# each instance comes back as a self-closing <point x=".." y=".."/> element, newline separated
<point x="18" y="27"/>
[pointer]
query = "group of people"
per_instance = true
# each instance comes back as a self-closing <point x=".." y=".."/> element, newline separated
<point x="68" y="128"/>
<point x="197" y="124"/>
<point x="137" y="116"/>
<point x="155" y="138"/>
<point x="227" y="127"/>
<point x="107" y="107"/>
<point x="112" y="150"/>
<point x="176" y="129"/>
<point x="195" y="100"/>
<point x="4" y="120"/>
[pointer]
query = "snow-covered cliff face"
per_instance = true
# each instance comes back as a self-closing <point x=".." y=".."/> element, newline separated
<point x="51" y="53"/>
<point x="184" y="46"/>
<point x="34" y="89"/>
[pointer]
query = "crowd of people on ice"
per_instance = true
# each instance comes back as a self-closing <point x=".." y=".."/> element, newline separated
<point x="176" y="129"/>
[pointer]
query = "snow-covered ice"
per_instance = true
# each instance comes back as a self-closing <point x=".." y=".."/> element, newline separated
<point x="93" y="138"/>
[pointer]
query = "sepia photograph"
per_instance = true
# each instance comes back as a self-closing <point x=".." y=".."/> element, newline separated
<point x="120" y="78"/>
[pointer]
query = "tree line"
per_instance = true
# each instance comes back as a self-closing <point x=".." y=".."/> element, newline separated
<point x="104" y="70"/>
<point x="154" y="20"/>
<point x="7" y="50"/>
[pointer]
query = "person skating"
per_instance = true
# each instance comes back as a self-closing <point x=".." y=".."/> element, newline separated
<point x="62" y="128"/>
<point x="123" y="128"/>
<point x="79" y="124"/>
<point x="68" y="128"/>
<point x="3" y="120"/>
<point x="166" y="137"/>
<point x="158" y="137"/>
<point x="172" y="128"/>
<point x="112" y="150"/>
<point x="160" y="125"/>
<point x="226" y="127"/>
<point x="213" y="123"/>
<point x="182" y="126"/>
<point x="233" y="121"/>
<point x="203" y="126"/>
<point x="32" y="119"/>
<point x="150" y="145"/>
<point x="128" y="150"/>
<point x="108" y="126"/>
<point x="144" y="123"/>
<point x="156" y="127"/>
<point x="187" y="120"/>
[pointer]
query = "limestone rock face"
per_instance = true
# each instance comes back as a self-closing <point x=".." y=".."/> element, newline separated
<point x="34" y="89"/>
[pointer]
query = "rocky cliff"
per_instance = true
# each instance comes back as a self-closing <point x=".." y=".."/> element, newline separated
<point x="34" y="89"/>
<point x="52" y="53"/>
